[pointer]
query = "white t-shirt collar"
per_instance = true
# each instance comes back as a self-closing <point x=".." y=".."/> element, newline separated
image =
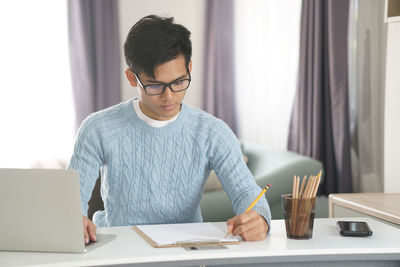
<point x="147" y="119"/>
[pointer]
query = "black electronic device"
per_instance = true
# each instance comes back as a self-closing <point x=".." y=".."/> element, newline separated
<point x="352" y="228"/>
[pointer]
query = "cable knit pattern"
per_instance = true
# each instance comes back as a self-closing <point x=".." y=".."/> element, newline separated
<point x="156" y="175"/>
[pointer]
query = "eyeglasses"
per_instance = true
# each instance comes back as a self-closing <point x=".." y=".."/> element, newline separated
<point x="159" y="88"/>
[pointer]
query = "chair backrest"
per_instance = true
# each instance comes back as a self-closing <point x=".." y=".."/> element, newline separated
<point x="95" y="202"/>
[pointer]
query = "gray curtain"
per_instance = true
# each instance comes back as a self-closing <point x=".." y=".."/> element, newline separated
<point x="319" y="124"/>
<point x="94" y="55"/>
<point x="219" y="87"/>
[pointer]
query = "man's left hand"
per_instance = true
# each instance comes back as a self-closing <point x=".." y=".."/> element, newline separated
<point x="250" y="225"/>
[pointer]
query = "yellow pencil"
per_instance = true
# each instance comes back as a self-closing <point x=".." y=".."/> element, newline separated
<point x="254" y="202"/>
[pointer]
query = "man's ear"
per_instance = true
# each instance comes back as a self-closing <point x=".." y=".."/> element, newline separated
<point x="190" y="66"/>
<point x="131" y="77"/>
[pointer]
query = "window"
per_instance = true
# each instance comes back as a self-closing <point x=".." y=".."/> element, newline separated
<point x="36" y="106"/>
<point x="267" y="47"/>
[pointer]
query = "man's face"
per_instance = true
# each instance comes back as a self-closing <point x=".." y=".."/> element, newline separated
<point x="167" y="105"/>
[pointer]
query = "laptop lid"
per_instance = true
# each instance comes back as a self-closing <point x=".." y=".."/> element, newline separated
<point x="40" y="211"/>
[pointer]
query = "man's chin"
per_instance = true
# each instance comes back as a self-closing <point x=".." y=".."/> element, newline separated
<point x="167" y="115"/>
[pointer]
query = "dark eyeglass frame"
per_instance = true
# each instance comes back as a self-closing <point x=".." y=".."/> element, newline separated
<point x="165" y="85"/>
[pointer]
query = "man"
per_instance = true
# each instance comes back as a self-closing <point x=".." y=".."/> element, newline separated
<point x="156" y="152"/>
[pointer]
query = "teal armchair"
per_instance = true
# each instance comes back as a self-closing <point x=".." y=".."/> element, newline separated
<point x="268" y="166"/>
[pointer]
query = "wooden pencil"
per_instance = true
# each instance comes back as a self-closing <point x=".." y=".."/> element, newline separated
<point x="304" y="224"/>
<point x="302" y="187"/>
<point x="292" y="214"/>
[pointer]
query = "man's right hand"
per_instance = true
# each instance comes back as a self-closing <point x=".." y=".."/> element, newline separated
<point x="89" y="230"/>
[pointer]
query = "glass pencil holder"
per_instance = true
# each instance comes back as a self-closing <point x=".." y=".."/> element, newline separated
<point x="299" y="216"/>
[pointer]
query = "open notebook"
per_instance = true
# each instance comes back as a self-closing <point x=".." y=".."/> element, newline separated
<point x="185" y="235"/>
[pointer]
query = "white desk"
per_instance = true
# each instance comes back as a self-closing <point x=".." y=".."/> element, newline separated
<point x="326" y="248"/>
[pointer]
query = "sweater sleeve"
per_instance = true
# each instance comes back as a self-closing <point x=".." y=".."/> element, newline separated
<point x="228" y="163"/>
<point x="87" y="159"/>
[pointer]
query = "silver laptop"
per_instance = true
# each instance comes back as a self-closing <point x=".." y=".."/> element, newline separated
<point x="40" y="211"/>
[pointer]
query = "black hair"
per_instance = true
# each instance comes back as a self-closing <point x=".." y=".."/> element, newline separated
<point x="154" y="40"/>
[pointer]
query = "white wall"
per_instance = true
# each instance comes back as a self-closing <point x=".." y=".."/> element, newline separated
<point x="188" y="13"/>
<point x="392" y="111"/>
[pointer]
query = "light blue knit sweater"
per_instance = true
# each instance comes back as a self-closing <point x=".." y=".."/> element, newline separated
<point x="155" y="175"/>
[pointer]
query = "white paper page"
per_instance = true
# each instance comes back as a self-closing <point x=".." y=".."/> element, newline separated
<point x="168" y="234"/>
